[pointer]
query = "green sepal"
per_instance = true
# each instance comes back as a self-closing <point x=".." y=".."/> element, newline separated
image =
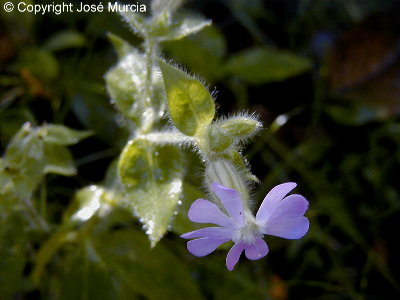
<point x="240" y="126"/>
<point x="219" y="141"/>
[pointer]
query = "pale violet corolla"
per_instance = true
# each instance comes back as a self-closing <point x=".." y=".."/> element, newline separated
<point x="278" y="215"/>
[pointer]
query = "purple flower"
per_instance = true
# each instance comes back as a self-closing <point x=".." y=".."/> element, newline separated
<point x="278" y="215"/>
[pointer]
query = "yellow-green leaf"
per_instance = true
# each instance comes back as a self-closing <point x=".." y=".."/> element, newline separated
<point x="152" y="175"/>
<point x="190" y="105"/>
<point x="58" y="160"/>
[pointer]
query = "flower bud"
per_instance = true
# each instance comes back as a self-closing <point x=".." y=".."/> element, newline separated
<point x="219" y="141"/>
<point x="224" y="172"/>
<point x="240" y="126"/>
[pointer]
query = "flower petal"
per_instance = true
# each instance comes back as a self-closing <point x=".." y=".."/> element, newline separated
<point x="287" y="219"/>
<point x="204" y="246"/>
<point x="257" y="250"/>
<point x="272" y="200"/>
<point x="233" y="255"/>
<point x="212" y="232"/>
<point x="289" y="228"/>
<point x="293" y="205"/>
<point x="231" y="200"/>
<point x="203" y="211"/>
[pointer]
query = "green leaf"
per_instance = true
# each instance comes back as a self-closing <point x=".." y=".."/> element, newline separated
<point x="182" y="26"/>
<point x="90" y="201"/>
<point x="122" y="47"/>
<point x="84" y="275"/>
<point x="47" y="251"/>
<point x="152" y="175"/>
<point x="126" y="84"/>
<point x="355" y="115"/>
<point x="13" y="247"/>
<point x="96" y="113"/>
<point x="262" y="65"/>
<point x="153" y="273"/>
<point x="65" y="39"/>
<point x="202" y="52"/>
<point x="25" y="154"/>
<point x="121" y="265"/>
<point x="61" y="135"/>
<point x="190" y="105"/>
<point x="58" y="160"/>
<point x="39" y="62"/>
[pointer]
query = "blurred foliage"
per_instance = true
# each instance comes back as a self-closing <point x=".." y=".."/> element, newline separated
<point x="322" y="76"/>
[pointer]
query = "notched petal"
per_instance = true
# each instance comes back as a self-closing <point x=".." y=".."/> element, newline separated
<point x="293" y="205"/>
<point x="288" y="228"/>
<point x="256" y="250"/>
<point x="272" y="200"/>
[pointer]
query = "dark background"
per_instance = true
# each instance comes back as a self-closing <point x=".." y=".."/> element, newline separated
<point x="340" y="141"/>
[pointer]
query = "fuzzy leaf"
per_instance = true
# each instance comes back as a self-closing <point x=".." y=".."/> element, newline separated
<point x="122" y="47"/>
<point x="240" y="126"/>
<point x="261" y="65"/>
<point x="61" y="135"/>
<point x="135" y="21"/>
<point x="152" y="176"/>
<point x="58" y="160"/>
<point x="24" y="153"/>
<point x="190" y="105"/>
<point x="219" y="141"/>
<point x="182" y="26"/>
<point x="126" y="84"/>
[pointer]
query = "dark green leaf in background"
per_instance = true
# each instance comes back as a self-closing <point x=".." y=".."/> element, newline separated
<point x="262" y="65"/>
<point x="40" y="62"/>
<point x="65" y="39"/>
<point x="202" y="53"/>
